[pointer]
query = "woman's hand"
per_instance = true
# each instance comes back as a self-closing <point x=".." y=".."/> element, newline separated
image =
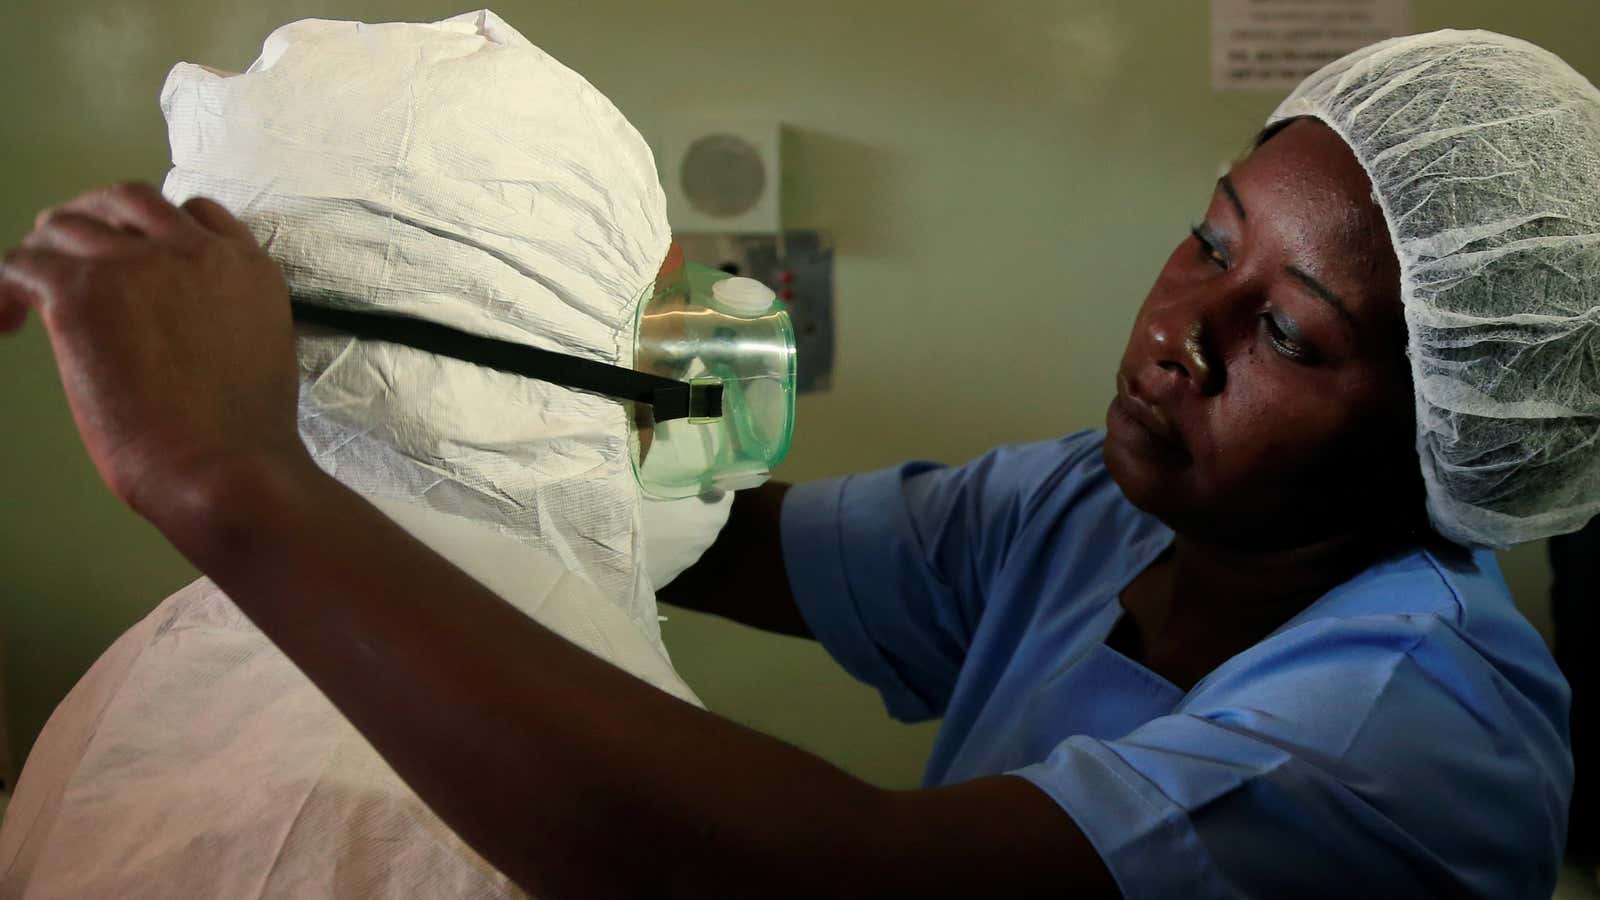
<point x="172" y="333"/>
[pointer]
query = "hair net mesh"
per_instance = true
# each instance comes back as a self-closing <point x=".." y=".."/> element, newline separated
<point x="1484" y="154"/>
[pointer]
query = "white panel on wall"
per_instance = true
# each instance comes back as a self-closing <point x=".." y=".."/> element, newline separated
<point x="721" y="175"/>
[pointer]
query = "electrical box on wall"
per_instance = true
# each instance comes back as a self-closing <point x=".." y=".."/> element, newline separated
<point x="798" y="266"/>
<point x="722" y="175"/>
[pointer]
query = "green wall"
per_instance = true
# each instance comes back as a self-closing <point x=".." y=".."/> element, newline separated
<point x="1002" y="181"/>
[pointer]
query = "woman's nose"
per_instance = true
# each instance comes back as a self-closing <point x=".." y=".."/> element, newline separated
<point x="1180" y="352"/>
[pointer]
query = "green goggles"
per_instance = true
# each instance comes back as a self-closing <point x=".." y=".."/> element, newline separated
<point x="711" y="389"/>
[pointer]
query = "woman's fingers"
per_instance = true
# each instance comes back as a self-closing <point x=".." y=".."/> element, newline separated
<point x="64" y="239"/>
<point x="129" y="205"/>
<point x="33" y="277"/>
<point x="77" y="234"/>
<point x="16" y="293"/>
<point x="216" y="217"/>
<point x="12" y="315"/>
<point x="128" y="209"/>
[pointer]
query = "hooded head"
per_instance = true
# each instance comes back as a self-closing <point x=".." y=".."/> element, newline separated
<point x="456" y="173"/>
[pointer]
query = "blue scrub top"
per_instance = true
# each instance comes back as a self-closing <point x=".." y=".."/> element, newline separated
<point x="1404" y="736"/>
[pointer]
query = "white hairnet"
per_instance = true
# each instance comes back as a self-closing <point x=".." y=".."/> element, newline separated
<point x="455" y="172"/>
<point x="1484" y="154"/>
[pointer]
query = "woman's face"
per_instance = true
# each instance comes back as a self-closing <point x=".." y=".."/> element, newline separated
<point x="1264" y="400"/>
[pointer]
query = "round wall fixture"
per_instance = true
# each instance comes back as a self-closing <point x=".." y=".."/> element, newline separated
<point x="723" y="175"/>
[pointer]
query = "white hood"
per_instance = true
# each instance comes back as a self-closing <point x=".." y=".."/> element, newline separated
<point x="454" y="172"/>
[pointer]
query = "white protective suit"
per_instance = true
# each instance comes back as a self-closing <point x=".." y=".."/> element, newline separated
<point x="455" y="172"/>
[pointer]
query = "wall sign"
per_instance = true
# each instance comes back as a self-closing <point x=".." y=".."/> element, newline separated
<point x="1273" y="44"/>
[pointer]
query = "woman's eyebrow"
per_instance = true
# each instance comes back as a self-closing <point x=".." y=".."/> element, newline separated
<point x="1322" y="291"/>
<point x="1226" y="184"/>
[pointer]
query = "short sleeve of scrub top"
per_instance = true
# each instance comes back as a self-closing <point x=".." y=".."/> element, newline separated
<point x="1404" y="736"/>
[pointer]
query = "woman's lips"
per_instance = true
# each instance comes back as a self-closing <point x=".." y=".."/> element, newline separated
<point x="1148" y="417"/>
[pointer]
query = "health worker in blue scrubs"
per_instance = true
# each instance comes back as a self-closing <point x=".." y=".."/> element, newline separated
<point x="1237" y="635"/>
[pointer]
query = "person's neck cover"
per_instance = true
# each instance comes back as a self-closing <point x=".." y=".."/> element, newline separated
<point x="453" y="172"/>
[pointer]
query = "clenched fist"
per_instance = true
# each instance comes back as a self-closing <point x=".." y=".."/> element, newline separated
<point x="172" y="334"/>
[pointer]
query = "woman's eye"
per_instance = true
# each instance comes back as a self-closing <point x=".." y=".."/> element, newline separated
<point x="1210" y="249"/>
<point x="1284" y="342"/>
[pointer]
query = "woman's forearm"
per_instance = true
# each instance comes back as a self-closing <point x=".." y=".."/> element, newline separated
<point x="172" y="333"/>
<point x="545" y="758"/>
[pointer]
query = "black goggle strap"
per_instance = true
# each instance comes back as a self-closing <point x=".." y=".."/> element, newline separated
<point x="668" y="398"/>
